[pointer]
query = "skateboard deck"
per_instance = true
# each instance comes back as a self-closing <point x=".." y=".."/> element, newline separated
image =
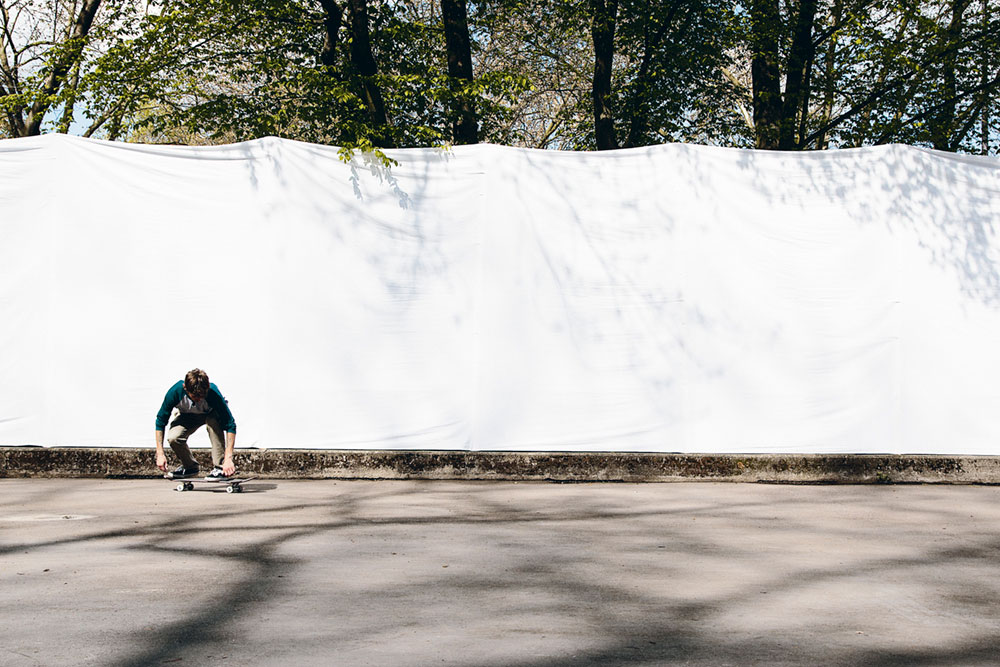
<point x="232" y="484"/>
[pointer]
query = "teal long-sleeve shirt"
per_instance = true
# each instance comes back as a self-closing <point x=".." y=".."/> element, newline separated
<point x="214" y="402"/>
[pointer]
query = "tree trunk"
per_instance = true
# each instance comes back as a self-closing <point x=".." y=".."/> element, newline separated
<point x="72" y="86"/>
<point x="831" y="68"/>
<point x="984" y="118"/>
<point x="15" y="118"/>
<point x="72" y="51"/>
<point x="800" y="58"/>
<point x="765" y="23"/>
<point x="8" y="80"/>
<point x="944" y="122"/>
<point x="605" y="14"/>
<point x="333" y="19"/>
<point x="364" y="62"/>
<point x="465" y="128"/>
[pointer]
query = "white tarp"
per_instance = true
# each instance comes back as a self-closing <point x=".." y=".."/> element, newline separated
<point x="675" y="298"/>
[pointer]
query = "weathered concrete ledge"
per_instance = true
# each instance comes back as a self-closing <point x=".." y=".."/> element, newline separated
<point x="562" y="467"/>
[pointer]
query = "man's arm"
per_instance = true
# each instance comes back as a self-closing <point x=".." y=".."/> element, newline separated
<point x="171" y="399"/>
<point x="228" y="466"/>
<point x="161" y="457"/>
<point x="225" y="416"/>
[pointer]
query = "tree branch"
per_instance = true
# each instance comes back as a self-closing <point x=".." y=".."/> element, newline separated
<point x="887" y="134"/>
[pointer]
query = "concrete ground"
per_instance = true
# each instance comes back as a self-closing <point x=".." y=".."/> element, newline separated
<point x="322" y="572"/>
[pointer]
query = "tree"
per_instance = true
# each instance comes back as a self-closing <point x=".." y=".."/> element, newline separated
<point x="544" y="51"/>
<point x="778" y="118"/>
<point x="237" y="70"/>
<point x="609" y="73"/>
<point x="576" y="74"/>
<point x="39" y="68"/>
<point x="869" y="71"/>
<point x="670" y="84"/>
<point x="465" y="126"/>
<point x="795" y="105"/>
<point x="366" y="67"/>
<point x="357" y="73"/>
<point x="604" y="14"/>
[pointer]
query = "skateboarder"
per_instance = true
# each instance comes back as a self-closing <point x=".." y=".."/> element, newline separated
<point x="198" y="402"/>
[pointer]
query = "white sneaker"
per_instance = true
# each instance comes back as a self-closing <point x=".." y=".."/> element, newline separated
<point x="182" y="472"/>
<point x="216" y="475"/>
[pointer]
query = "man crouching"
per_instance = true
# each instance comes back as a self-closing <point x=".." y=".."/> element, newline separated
<point x="198" y="403"/>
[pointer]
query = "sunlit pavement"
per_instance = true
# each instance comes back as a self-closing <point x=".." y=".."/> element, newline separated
<point x="105" y="572"/>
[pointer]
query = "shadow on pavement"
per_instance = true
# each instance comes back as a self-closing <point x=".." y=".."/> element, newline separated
<point x="554" y="575"/>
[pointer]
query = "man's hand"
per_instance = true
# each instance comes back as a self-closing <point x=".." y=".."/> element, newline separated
<point x="228" y="467"/>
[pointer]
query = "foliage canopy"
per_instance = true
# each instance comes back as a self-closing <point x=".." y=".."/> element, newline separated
<point x="571" y="74"/>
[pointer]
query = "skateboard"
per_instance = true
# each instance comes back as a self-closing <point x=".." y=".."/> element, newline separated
<point x="233" y="485"/>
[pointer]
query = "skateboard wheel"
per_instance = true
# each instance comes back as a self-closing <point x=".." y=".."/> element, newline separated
<point x="180" y="487"/>
<point x="230" y="489"/>
<point x="188" y="486"/>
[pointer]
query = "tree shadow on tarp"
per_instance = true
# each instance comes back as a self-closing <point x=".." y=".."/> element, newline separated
<point x="947" y="202"/>
<point x="782" y="339"/>
<point x="362" y="246"/>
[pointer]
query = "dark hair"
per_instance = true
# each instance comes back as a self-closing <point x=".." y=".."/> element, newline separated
<point x="196" y="382"/>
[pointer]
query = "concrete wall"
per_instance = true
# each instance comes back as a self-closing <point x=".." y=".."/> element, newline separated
<point x="563" y="467"/>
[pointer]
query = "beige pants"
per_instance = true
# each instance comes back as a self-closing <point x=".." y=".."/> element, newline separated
<point x="183" y="425"/>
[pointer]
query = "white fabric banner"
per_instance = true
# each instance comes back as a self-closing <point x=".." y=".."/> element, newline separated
<point x="673" y="298"/>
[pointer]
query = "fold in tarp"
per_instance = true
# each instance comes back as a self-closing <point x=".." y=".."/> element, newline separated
<point x="672" y="298"/>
